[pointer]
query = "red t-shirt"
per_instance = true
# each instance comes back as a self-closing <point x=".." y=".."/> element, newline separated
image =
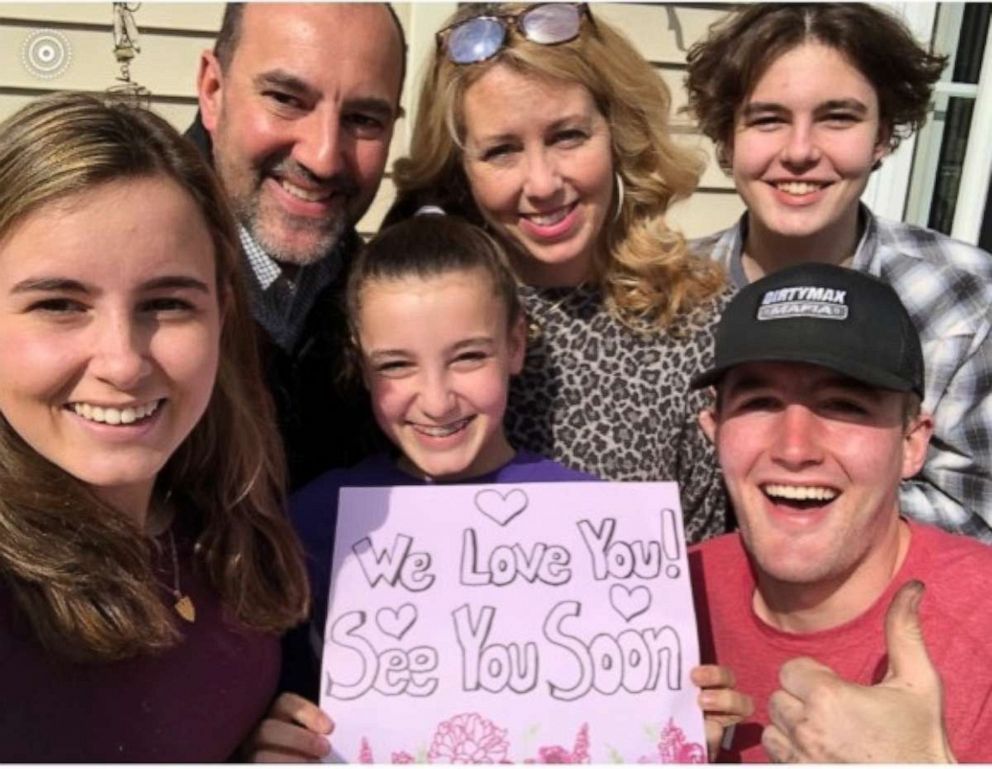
<point x="956" y="614"/>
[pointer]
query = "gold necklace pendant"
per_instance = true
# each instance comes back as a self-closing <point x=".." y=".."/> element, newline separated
<point x="184" y="604"/>
<point x="184" y="608"/>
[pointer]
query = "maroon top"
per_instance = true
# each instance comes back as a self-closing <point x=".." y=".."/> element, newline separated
<point x="195" y="702"/>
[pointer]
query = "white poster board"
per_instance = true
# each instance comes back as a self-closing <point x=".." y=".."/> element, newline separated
<point x="539" y="622"/>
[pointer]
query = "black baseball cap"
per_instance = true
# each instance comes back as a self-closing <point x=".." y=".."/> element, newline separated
<point x="834" y="317"/>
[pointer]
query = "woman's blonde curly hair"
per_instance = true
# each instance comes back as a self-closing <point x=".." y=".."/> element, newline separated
<point x="649" y="277"/>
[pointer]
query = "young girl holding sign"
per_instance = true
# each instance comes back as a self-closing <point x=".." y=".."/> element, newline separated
<point x="439" y="331"/>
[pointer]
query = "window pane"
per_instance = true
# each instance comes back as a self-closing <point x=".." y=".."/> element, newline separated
<point x="957" y="116"/>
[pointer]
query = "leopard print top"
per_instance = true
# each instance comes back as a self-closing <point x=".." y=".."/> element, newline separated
<point x="599" y="397"/>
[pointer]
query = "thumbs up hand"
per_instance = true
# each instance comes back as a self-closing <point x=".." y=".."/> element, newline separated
<point x="818" y="717"/>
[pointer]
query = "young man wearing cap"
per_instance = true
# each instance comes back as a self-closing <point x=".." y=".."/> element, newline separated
<point x="803" y="101"/>
<point x="860" y="635"/>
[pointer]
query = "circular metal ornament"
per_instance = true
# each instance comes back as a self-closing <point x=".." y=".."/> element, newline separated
<point x="46" y="53"/>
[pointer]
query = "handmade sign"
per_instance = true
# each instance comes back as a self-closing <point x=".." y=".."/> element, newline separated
<point x="544" y="622"/>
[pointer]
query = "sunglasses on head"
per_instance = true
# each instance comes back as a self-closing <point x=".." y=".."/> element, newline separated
<point x="482" y="37"/>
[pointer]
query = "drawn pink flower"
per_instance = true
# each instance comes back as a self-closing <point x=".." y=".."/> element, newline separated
<point x="580" y="752"/>
<point x="365" y="753"/>
<point x="468" y="738"/>
<point x="556" y="754"/>
<point x="673" y="748"/>
<point x="402" y="757"/>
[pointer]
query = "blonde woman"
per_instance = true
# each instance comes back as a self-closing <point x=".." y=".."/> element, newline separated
<point x="544" y="124"/>
<point x="147" y="569"/>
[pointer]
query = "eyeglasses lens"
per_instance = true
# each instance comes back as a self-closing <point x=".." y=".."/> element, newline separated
<point x="551" y="23"/>
<point x="475" y="40"/>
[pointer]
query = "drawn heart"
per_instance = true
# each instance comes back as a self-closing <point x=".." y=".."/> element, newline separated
<point x="396" y="622"/>
<point x="501" y="508"/>
<point x="630" y="603"/>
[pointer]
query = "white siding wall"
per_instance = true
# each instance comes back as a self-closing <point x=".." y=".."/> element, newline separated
<point x="173" y="34"/>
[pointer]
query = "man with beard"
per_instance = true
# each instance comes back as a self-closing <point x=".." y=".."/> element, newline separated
<point x="860" y="635"/>
<point x="297" y="107"/>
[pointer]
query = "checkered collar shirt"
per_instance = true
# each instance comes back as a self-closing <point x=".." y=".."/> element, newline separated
<point x="946" y="286"/>
<point x="280" y="303"/>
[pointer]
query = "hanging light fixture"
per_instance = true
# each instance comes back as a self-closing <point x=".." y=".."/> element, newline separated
<point x="126" y="48"/>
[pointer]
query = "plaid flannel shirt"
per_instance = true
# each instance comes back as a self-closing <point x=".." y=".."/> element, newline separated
<point x="946" y="286"/>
